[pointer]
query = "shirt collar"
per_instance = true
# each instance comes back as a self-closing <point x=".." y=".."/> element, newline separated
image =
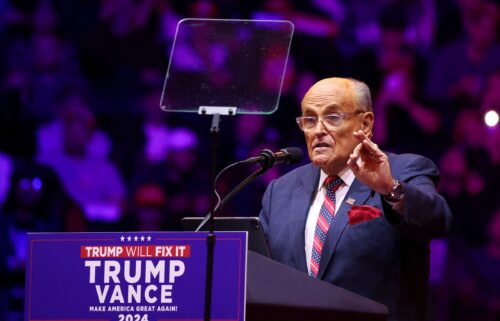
<point x="346" y="175"/>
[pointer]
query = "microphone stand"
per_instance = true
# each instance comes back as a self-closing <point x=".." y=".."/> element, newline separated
<point x="241" y="185"/>
<point x="266" y="165"/>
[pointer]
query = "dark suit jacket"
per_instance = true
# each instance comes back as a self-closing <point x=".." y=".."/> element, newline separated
<point x="385" y="259"/>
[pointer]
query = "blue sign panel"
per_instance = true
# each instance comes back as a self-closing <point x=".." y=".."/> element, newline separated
<point x="133" y="276"/>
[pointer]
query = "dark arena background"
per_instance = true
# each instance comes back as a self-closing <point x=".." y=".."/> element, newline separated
<point x="84" y="145"/>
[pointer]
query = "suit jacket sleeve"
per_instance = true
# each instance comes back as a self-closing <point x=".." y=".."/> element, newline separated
<point x="425" y="213"/>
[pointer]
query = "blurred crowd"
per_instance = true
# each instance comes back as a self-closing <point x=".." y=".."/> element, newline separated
<point x="84" y="145"/>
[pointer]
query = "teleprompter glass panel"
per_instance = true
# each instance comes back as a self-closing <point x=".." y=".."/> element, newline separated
<point x="227" y="63"/>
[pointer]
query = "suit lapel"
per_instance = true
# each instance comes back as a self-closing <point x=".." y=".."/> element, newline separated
<point x="302" y="197"/>
<point x="360" y="194"/>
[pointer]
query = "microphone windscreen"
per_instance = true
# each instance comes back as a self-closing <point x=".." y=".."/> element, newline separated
<point x="295" y="155"/>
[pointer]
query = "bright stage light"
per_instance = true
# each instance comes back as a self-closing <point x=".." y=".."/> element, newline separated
<point x="491" y="118"/>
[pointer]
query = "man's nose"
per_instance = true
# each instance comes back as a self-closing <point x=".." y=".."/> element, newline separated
<point x="319" y="128"/>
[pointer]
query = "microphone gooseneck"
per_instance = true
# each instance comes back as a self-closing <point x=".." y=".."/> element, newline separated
<point x="289" y="155"/>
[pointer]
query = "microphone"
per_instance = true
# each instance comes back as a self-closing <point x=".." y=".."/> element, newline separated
<point x="289" y="155"/>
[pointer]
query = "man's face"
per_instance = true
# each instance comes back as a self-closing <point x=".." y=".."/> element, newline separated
<point x="330" y="147"/>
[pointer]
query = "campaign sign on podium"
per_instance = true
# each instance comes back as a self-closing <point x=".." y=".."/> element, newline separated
<point x="133" y="276"/>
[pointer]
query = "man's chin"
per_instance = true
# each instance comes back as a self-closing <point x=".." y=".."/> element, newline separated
<point x="320" y="160"/>
<point x="329" y="165"/>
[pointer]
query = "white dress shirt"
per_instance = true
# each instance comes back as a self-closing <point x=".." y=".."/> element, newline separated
<point x="347" y="177"/>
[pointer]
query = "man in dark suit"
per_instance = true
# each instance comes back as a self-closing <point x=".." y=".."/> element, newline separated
<point x="369" y="231"/>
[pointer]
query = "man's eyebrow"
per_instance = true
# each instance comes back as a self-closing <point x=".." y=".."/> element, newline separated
<point x="330" y="108"/>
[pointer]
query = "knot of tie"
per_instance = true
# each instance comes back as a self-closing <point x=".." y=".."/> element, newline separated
<point x="332" y="183"/>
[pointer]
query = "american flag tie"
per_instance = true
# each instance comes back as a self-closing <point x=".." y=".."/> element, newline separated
<point x="332" y="184"/>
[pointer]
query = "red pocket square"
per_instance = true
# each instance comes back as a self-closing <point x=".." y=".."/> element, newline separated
<point x="362" y="213"/>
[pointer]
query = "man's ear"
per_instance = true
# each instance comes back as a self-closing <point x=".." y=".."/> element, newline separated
<point x="367" y="120"/>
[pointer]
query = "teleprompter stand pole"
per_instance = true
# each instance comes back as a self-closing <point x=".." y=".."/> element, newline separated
<point x="216" y="112"/>
<point x="214" y="133"/>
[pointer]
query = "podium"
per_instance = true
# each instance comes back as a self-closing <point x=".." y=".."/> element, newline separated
<point x="278" y="292"/>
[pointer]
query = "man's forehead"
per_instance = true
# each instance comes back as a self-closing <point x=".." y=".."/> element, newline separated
<point x="329" y="94"/>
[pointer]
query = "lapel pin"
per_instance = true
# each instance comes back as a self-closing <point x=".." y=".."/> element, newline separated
<point x="350" y="201"/>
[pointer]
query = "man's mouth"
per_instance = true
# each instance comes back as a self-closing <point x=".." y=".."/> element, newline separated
<point x="319" y="145"/>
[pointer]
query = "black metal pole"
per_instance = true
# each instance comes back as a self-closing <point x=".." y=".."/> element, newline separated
<point x="214" y="131"/>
